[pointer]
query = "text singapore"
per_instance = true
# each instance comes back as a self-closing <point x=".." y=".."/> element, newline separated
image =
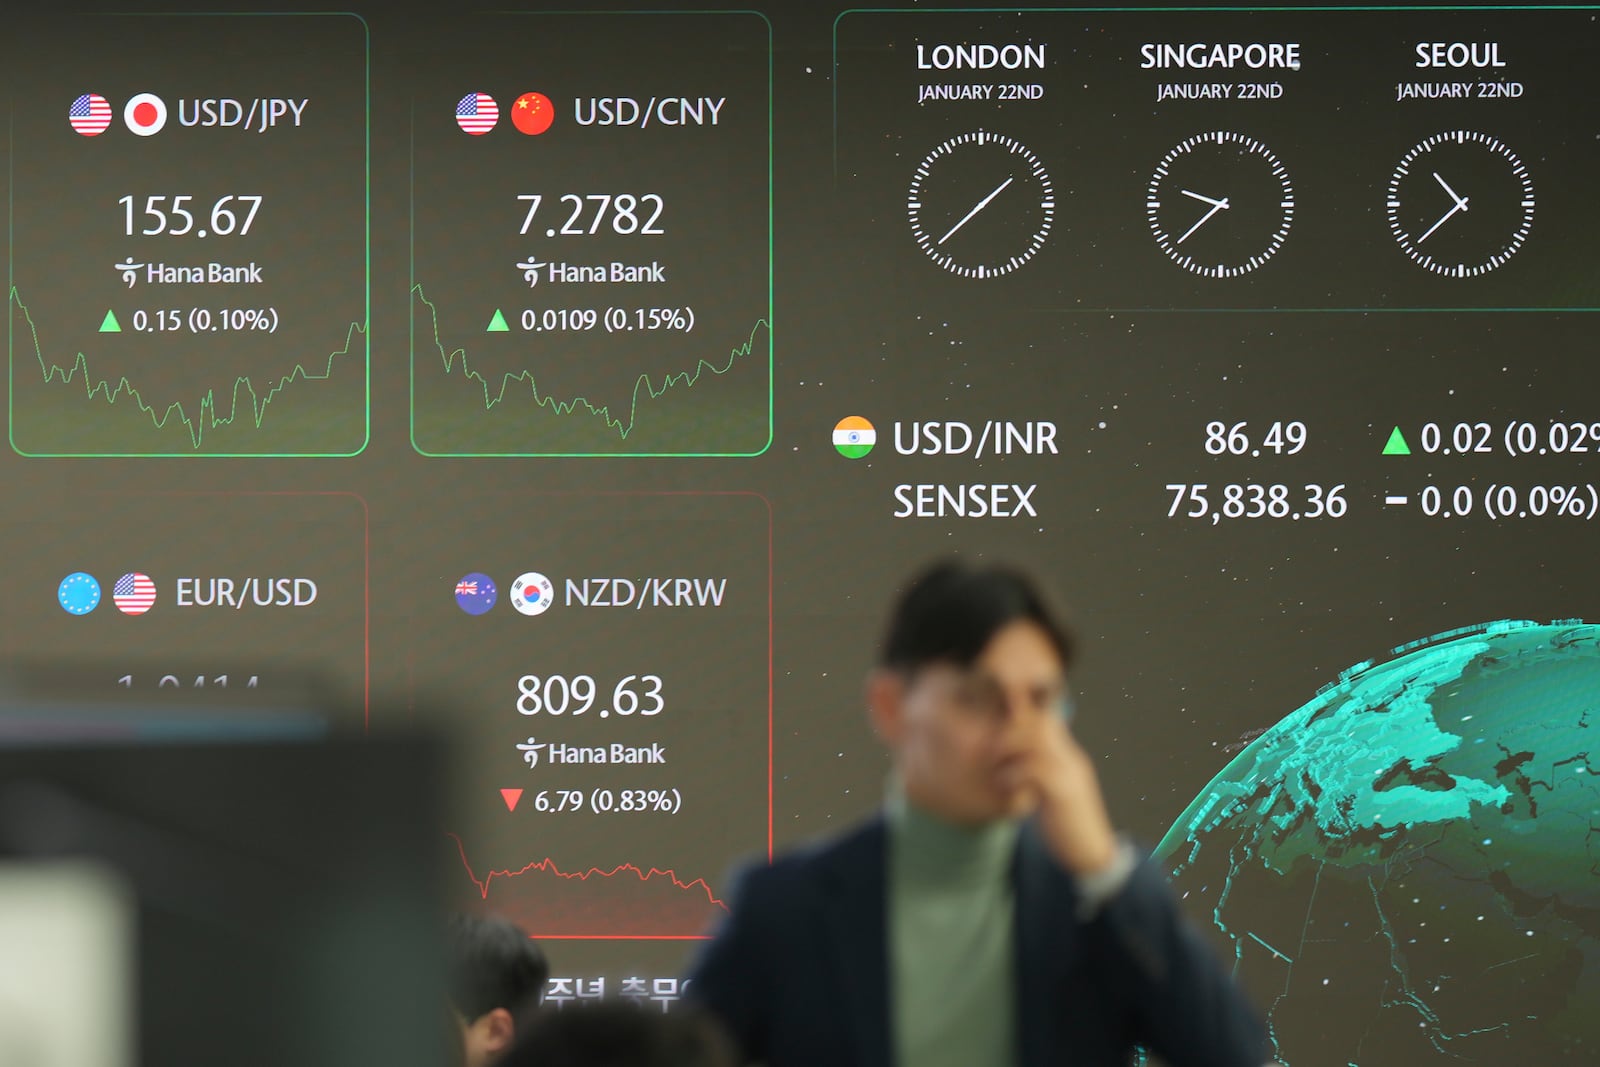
<point x="1227" y="56"/>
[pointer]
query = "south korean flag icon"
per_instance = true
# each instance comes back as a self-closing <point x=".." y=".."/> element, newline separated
<point x="532" y="593"/>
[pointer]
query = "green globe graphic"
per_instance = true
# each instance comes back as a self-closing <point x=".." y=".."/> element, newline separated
<point x="1408" y="867"/>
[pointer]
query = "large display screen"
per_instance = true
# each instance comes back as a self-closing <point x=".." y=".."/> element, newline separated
<point x="585" y="383"/>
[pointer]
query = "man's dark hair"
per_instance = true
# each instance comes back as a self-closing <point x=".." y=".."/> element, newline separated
<point x="493" y="964"/>
<point x="617" y="1033"/>
<point x="951" y="611"/>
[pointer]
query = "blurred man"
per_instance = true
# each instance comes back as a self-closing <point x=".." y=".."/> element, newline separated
<point x="620" y="1034"/>
<point x="989" y="915"/>
<point x="496" y="977"/>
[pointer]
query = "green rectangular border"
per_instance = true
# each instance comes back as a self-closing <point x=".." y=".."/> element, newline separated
<point x="411" y="419"/>
<point x="366" y="326"/>
<point x="1233" y="9"/>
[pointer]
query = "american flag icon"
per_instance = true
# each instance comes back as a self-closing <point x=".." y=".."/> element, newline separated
<point x="476" y="113"/>
<point x="90" y="114"/>
<point x="134" y="594"/>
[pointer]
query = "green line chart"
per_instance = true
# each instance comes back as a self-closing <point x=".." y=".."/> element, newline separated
<point x="320" y="409"/>
<point x="717" y="406"/>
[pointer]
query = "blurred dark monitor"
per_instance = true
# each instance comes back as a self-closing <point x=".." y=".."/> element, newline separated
<point x="282" y="895"/>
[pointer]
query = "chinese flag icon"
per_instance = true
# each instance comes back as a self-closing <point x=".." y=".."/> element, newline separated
<point x="533" y="113"/>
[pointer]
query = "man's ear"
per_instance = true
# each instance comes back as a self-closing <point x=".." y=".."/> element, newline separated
<point x="885" y="703"/>
<point x="500" y="1030"/>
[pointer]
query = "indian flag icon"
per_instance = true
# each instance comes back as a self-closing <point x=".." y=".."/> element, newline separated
<point x="854" y="437"/>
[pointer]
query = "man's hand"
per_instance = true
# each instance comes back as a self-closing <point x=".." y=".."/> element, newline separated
<point x="1055" y="778"/>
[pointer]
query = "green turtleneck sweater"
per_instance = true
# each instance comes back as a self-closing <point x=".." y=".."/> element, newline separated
<point x="951" y="949"/>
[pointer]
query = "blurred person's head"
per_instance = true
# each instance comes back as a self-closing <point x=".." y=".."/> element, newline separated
<point x="618" y="1033"/>
<point x="496" y="978"/>
<point x="972" y="664"/>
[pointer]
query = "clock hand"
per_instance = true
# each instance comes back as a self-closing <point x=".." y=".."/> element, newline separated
<point x="979" y="206"/>
<point x="1206" y="199"/>
<point x="1461" y="202"/>
<point x="1462" y="206"/>
<point x="1219" y="205"/>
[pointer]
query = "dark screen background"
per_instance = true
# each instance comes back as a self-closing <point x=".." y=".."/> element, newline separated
<point x="1198" y="636"/>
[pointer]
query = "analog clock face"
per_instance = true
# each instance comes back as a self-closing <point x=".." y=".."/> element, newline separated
<point x="981" y="205"/>
<point x="1220" y="204"/>
<point x="1460" y="203"/>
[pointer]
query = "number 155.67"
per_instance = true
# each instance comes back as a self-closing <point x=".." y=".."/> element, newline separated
<point x="178" y="215"/>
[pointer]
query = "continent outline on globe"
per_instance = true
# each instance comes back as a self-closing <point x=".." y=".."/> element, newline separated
<point x="1439" y="814"/>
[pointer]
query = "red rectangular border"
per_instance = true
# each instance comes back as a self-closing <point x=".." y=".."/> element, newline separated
<point x="767" y="504"/>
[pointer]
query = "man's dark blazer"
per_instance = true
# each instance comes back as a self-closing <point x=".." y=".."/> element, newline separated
<point x="799" y="970"/>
